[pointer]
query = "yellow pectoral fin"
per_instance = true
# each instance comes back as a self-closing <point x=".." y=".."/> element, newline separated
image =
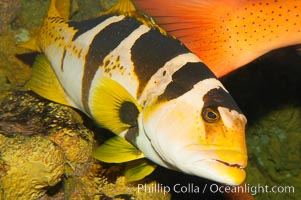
<point x="117" y="150"/>
<point x="112" y="106"/>
<point x="138" y="169"/>
<point x="45" y="83"/>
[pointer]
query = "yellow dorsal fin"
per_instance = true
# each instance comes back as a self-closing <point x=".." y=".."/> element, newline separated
<point x="31" y="45"/>
<point x="126" y="7"/>
<point x="59" y="8"/>
<point x="112" y="106"/>
<point x="138" y="169"/>
<point x="123" y="7"/>
<point x="45" y="83"/>
<point x="117" y="150"/>
<point x="63" y="7"/>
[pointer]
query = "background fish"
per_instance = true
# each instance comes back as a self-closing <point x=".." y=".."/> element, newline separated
<point x="145" y="86"/>
<point x="228" y="34"/>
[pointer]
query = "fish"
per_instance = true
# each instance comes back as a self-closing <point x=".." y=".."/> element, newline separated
<point x="161" y="101"/>
<point x="227" y="35"/>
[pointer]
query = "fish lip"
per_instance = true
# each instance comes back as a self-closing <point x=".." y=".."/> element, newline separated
<point x="236" y="160"/>
<point x="220" y="171"/>
<point x="238" y="166"/>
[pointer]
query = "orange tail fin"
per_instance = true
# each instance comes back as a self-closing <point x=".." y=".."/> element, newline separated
<point x="196" y="23"/>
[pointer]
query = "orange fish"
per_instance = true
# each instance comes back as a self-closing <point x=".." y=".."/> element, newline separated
<point x="227" y="34"/>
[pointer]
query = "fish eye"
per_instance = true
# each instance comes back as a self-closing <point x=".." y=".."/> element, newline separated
<point x="210" y="115"/>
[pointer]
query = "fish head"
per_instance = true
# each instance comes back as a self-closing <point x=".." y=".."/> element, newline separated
<point x="201" y="132"/>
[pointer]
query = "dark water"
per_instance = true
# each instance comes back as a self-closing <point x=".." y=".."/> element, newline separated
<point x="270" y="81"/>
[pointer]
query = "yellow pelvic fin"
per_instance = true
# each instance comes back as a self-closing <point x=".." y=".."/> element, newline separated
<point x="123" y="7"/>
<point x="112" y="106"/>
<point x="117" y="150"/>
<point x="45" y="83"/>
<point x="138" y="169"/>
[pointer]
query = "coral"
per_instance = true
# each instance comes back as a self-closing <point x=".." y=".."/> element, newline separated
<point x="47" y="150"/>
<point x="29" y="166"/>
<point x="25" y="118"/>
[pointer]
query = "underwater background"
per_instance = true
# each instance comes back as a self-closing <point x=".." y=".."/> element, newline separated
<point x="45" y="148"/>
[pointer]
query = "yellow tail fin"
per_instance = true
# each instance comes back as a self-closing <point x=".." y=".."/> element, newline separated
<point x="31" y="45"/>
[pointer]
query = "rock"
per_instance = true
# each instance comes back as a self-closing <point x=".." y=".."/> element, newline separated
<point x="8" y="12"/>
<point x="274" y="153"/>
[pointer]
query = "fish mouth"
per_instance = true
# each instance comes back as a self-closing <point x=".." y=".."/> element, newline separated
<point x="223" y="166"/>
<point x="229" y="173"/>
<point x="226" y="157"/>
